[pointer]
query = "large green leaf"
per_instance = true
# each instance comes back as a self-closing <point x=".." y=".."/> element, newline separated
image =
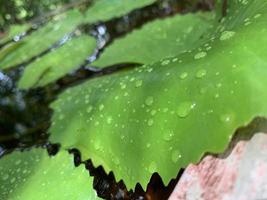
<point x="41" y="39"/>
<point x="160" y="117"/>
<point x="158" y="39"/>
<point x="13" y="31"/>
<point x="103" y="10"/>
<point x="58" y="63"/>
<point x="34" y="175"/>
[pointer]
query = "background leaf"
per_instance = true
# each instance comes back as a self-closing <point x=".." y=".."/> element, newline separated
<point x="35" y="175"/>
<point x="14" y="30"/>
<point x="103" y="10"/>
<point x="58" y="63"/>
<point x="158" y="39"/>
<point x="41" y="39"/>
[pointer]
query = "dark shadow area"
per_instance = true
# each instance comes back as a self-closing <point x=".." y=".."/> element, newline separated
<point x="108" y="188"/>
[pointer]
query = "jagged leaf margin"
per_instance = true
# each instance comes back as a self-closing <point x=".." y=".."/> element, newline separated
<point x="161" y="117"/>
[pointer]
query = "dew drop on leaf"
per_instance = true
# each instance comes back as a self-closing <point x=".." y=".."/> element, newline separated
<point x="200" y="55"/>
<point x="89" y="109"/>
<point x="184" y="109"/>
<point x="101" y="107"/>
<point x="149" y="101"/>
<point x="226" y="35"/>
<point x="150" y="122"/>
<point x="109" y="120"/>
<point x="201" y="73"/>
<point x="138" y="83"/>
<point x="226" y="118"/>
<point x="168" y="135"/>
<point x="152" y="167"/>
<point x="183" y="75"/>
<point x="257" y="15"/>
<point x="153" y="112"/>
<point x="176" y="155"/>
<point x="165" y="62"/>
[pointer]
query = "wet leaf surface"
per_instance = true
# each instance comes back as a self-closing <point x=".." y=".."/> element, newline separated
<point x="58" y="63"/>
<point x="41" y="39"/>
<point x="102" y="10"/>
<point x="158" y="39"/>
<point x="13" y="31"/>
<point x="35" y="175"/>
<point x="161" y="117"/>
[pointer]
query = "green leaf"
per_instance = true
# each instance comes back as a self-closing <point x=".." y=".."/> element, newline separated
<point x="35" y="175"/>
<point x="161" y="117"/>
<point x="57" y="63"/>
<point x="158" y="39"/>
<point x="41" y="39"/>
<point x="14" y="30"/>
<point x="103" y="10"/>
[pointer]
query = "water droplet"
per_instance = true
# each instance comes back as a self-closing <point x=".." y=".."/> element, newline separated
<point x="97" y="145"/>
<point x="227" y="35"/>
<point x="13" y="180"/>
<point x="168" y="135"/>
<point x="138" y="83"/>
<point x="165" y="62"/>
<point x="150" y="122"/>
<point x="149" y="101"/>
<point x="184" y="109"/>
<point x="148" y="145"/>
<point x="183" y="75"/>
<point x="165" y="110"/>
<point x="123" y="85"/>
<point x="257" y="16"/>
<point x="61" y="117"/>
<point x="174" y="59"/>
<point x="96" y="123"/>
<point x="109" y="120"/>
<point x="218" y="85"/>
<point x="89" y="109"/>
<point x="201" y="73"/>
<point x="101" y="107"/>
<point x="152" y="167"/>
<point x="176" y="155"/>
<point x="200" y="55"/>
<point x="216" y="96"/>
<point x="226" y="118"/>
<point x="17" y="162"/>
<point x="153" y="112"/>
<point x="150" y="69"/>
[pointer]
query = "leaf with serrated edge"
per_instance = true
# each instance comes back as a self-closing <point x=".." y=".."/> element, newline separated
<point x="161" y="117"/>
<point x="35" y="175"/>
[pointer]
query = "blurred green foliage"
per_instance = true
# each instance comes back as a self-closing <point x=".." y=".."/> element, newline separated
<point x="19" y="11"/>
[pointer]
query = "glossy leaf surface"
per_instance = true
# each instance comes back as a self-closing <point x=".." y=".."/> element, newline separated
<point x="159" y="39"/>
<point x="58" y="63"/>
<point x="162" y="116"/>
<point x="13" y="31"/>
<point x="40" y="40"/>
<point x="103" y="10"/>
<point x="35" y="175"/>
